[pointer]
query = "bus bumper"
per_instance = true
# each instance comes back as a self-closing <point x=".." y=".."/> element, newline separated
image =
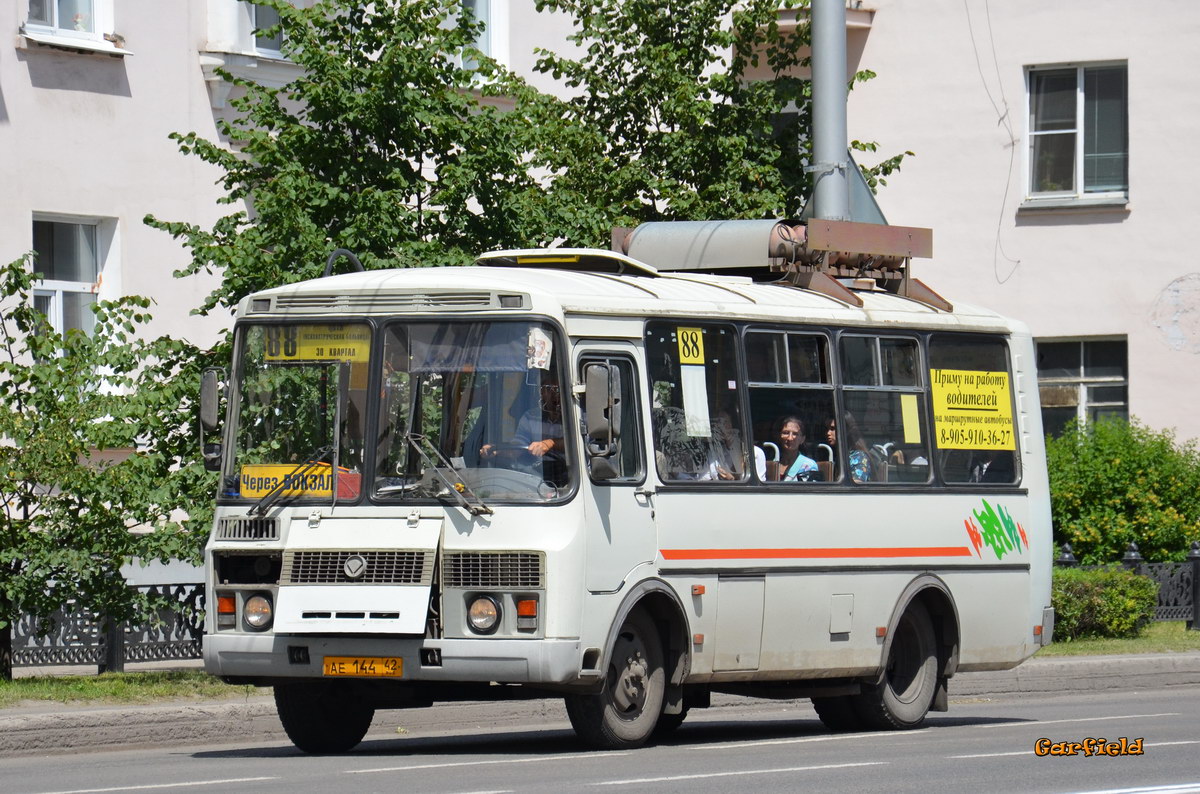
<point x="543" y="661"/>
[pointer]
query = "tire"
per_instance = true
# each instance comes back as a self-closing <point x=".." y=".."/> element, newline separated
<point x="669" y="723"/>
<point x="903" y="698"/>
<point x="322" y="718"/>
<point x="838" y="713"/>
<point x="624" y="713"/>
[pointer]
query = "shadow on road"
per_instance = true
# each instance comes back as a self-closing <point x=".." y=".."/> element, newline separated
<point x="555" y="741"/>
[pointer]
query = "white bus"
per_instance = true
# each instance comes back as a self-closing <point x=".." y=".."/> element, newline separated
<point x="626" y="479"/>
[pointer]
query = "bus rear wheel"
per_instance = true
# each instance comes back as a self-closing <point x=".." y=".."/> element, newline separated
<point x="322" y="717"/>
<point x="624" y="713"/>
<point x="837" y="713"/>
<point x="902" y="699"/>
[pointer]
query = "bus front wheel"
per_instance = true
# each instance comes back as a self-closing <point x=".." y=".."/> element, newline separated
<point x="902" y="699"/>
<point x="624" y="713"/>
<point x="322" y="718"/>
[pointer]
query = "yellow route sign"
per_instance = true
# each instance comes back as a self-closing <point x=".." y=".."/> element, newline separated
<point x="317" y="343"/>
<point x="972" y="409"/>
<point x="691" y="345"/>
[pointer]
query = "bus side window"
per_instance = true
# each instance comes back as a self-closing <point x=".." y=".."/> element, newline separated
<point x="694" y="405"/>
<point x="973" y="416"/>
<point x="883" y="428"/>
<point x="791" y="398"/>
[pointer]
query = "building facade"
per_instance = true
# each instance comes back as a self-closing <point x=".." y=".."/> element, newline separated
<point x="1046" y="141"/>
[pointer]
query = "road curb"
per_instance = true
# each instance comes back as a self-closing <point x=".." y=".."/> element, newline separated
<point x="57" y="728"/>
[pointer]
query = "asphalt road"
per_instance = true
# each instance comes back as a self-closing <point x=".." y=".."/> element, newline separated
<point x="981" y="744"/>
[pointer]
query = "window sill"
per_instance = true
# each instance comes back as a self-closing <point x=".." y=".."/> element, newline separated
<point x="1108" y="204"/>
<point x="75" y="44"/>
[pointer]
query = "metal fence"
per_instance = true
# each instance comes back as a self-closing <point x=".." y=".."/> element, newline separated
<point x="80" y="637"/>
<point x="1178" y="582"/>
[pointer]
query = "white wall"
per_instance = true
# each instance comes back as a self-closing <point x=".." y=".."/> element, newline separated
<point x="951" y="87"/>
<point x="86" y="135"/>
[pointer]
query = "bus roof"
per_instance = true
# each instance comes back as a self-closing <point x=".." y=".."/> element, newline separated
<point x="579" y="281"/>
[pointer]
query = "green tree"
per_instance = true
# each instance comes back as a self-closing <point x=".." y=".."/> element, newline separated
<point x="72" y="512"/>
<point x="1114" y="482"/>
<point x="400" y="141"/>
<point x="663" y="121"/>
<point x="385" y="144"/>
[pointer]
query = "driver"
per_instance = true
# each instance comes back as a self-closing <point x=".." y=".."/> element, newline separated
<point x="540" y="430"/>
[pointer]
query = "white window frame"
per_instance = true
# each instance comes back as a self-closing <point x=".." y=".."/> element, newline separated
<point x="1082" y="382"/>
<point x="105" y="232"/>
<point x="51" y="33"/>
<point x="1077" y="194"/>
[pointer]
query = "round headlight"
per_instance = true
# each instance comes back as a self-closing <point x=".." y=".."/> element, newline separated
<point x="484" y="614"/>
<point x="257" y="611"/>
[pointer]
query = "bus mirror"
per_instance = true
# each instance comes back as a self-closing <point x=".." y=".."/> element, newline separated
<point x="212" y="457"/>
<point x="210" y="382"/>
<point x="602" y="406"/>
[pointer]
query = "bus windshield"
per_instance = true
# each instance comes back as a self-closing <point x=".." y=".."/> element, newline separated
<point x="474" y="406"/>
<point x="301" y="405"/>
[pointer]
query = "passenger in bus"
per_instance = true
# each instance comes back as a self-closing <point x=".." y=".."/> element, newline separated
<point x="727" y="458"/>
<point x="992" y="465"/>
<point x="858" y="458"/>
<point x="794" y="465"/>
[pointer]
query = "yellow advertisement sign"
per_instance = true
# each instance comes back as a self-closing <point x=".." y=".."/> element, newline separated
<point x="972" y="409"/>
<point x="691" y="345"/>
<point x="317" y="343"/>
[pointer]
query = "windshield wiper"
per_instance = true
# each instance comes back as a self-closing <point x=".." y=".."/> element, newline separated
<point x="460" y="490"/>
<point x="310" y="463"/>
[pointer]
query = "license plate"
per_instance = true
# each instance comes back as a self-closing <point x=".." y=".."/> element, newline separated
<point x="364" y="666"/>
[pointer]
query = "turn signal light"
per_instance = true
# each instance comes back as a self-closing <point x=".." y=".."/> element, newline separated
<point x="226" y="612"/>
<point x="527" y="610"/>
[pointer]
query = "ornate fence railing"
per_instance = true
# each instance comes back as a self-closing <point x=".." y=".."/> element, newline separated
<point x="78" y="637"/>
<point x="1178" y="582"/>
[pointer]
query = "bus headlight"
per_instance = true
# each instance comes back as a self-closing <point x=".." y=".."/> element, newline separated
<point x="484" y="615"/>
<point x="257" y="612"/>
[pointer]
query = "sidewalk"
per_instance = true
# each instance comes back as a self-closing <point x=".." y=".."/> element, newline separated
<point x="248" y="721"/>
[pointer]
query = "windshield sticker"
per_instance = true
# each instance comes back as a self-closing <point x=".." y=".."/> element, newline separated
<point x="540" y="349"/>
<point x="997" y="530"/>
<point x="317" y="343"/>
<point x="972" y="409"/>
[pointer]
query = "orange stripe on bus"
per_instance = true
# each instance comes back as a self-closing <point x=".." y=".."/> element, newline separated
<point x="814" y="554"/>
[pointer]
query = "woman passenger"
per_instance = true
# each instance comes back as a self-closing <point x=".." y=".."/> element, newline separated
<point x="793" y="463"/>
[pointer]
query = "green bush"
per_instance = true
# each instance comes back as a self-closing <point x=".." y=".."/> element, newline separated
<point x="1101" y="602"/>
<point x="1115" y="482"/>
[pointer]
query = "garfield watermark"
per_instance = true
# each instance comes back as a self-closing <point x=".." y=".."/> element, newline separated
<point x="1090" y="746"/>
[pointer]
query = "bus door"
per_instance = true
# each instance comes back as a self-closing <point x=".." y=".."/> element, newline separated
<point x="619" y="509"/>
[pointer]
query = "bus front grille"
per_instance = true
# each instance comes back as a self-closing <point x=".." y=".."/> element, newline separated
<point x="246" y="528"/>
<point x="516" y="570"/>
<point x="357" y="567"/>
<point x="431" y="300"/>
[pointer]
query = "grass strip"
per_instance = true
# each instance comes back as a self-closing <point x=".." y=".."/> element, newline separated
<point x="1169" y="636"/>
<point x="137" y="687"/>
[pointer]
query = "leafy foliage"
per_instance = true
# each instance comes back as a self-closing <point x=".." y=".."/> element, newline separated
<point x="67" y="507"/>
<point x="1102" y="602"/>
<point x="400" y="141"/>
<point x="668" y="120"/>
<point x="1114" y="482"/>
<point x="384" y="144"/>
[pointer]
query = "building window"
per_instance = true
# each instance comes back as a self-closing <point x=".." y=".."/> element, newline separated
<point x="263" y="18"/>
<point x="480" y="11"/>
<point x="1079" y="132"/>
<point x="72" y="16"/>
<point x="69" y="263"/>
<point x="1084" y="379"/>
